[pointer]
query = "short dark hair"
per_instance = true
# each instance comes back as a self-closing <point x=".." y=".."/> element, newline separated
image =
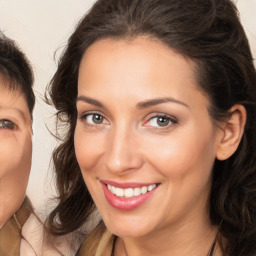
<point x="15" y="67"/>
<point x="209" y="33"/>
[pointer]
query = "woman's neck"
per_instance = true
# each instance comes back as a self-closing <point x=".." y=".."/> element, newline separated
<point x="194" y="239"/>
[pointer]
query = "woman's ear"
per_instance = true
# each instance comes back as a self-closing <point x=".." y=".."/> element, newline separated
<point x="231" y="132"/>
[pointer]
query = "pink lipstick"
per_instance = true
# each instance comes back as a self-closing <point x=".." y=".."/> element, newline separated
<point x="127" y="196"/>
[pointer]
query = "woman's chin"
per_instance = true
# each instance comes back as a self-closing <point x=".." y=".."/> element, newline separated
<point x="126" y="230"/>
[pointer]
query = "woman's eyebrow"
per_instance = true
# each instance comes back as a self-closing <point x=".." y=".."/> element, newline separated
<point x="152" y="102"/>
<point x="17" y="110"/>
<point x="140" y="105"/>
<point x="90" y="101"/>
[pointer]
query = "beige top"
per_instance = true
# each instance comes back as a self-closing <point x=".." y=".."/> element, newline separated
<point x="99" y="243"/>
<point x="39" y="243"/>
<point x="23" y="235"/>
<point x="10" y="234"/>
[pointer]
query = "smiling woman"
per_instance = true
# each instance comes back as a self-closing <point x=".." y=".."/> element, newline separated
<point x="159" y="100"/>
<point x="126" y="161"/>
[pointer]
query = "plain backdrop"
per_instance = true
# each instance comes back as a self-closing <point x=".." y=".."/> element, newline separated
<point x="41" y="28"/>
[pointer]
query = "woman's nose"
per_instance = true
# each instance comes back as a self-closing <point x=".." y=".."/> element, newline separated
<point x="123" y="152"/>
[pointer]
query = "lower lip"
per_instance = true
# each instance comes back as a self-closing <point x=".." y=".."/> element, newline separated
<point x="126" y="204"/>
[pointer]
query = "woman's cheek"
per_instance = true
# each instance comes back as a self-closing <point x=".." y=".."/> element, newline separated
<point x="88" y="148"/>
<point x="17" y="153"/>
<point x="9" y="156"/>
<point x="172" y="155"/>
<point x="163" y="152"/>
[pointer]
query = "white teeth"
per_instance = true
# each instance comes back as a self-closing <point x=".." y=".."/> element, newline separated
<point x="119" y="192"/>
<point x="144" y="190"/>
<point x="136" y="191"/>
<point x="130" y="192"/>
<point x="151" y="187"/>
<point x="113" y="189"/>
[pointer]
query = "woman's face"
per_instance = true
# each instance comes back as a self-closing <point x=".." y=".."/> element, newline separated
<point x="15" y="150"/>
<point x="144" y="139"/>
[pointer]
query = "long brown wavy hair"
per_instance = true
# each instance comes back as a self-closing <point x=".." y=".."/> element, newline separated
<point x="209" y="33"/>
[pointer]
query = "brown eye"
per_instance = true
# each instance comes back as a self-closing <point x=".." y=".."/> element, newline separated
<point x="94" y="119"/>
<point x="159" y="121"/>
<point x="6" y="124"/>
<point x="97" y="119"/>
<point x="163" y="121"/>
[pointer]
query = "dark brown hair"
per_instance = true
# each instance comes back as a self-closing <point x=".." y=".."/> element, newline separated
<point x="209" y="33"/>
<point x="15" y="67"/>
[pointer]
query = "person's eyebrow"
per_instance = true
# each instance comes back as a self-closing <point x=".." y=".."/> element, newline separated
<point x="90" y="101"/>
<point x="140" y="105"/>
<point x="17" y="110"/>
<point x="153" y="102"/>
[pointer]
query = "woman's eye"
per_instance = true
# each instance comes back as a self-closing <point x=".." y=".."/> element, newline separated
<point x="160" y="121"/>
<point x="94" y="119"/>
<point x="7" y="124"/>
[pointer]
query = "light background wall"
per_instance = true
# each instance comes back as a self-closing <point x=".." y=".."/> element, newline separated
<point x="41" y="27"/>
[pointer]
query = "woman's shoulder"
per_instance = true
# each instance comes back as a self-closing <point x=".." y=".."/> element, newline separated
<point x="10" y="234"/>
<point x="99" y="243"/>
<point x="32" y="234"/>
<point x="36" y="241"/>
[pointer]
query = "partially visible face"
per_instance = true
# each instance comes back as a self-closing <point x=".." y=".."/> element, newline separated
<point x="144" y="139"/>
<point x="15" y="150"/>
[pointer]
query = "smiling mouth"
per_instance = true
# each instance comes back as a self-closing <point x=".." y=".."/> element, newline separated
<point x="130" y="192"/>
<point x="128" y="196"/>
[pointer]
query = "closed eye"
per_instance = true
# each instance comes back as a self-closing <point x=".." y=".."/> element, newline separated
<point x="7" y="124"/>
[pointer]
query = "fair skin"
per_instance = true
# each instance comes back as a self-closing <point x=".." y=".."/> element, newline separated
<point x="15" y="150"/>
<point x="142" y="119"/>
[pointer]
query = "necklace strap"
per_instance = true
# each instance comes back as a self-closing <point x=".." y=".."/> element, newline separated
<point x="17" y="221"/>
<point x="210" y="253"/>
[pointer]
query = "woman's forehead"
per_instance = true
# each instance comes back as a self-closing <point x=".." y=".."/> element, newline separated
<point x="12" y="98"/>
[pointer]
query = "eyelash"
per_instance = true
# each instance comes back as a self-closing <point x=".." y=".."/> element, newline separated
<point x="171" y="121"/>
<point x="4" y="122"/>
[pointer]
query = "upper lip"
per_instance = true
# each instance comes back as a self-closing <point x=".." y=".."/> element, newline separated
<point x="126" y="184"/>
